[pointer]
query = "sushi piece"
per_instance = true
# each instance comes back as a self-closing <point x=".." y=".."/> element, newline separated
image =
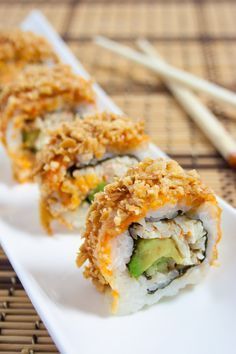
<point x="20" y="48"/>
<point x="38" y="100"/>
<point x="149" y="234"/>
<point x="80" y="159"/>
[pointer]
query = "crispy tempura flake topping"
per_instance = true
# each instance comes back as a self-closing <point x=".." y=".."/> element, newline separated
<point x="148" y="186"/>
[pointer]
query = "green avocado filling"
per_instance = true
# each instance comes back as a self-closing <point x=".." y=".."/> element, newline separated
<point x="29" y="139"/>
<point x="162" y="265"/>
<point x="152" y="256"/>
<point x="100" y="187"/>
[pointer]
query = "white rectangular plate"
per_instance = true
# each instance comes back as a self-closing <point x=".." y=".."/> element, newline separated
<point x="200" y="319"/>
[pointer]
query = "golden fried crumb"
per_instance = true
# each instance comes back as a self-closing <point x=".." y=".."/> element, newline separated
<point x="77" y="143"/>
<point x="91" y="138"/>
<point x="24" y="46"/>
<point x="148" y="186"/>
<point x="19" y="48"/>
<point x="37" y="91"/>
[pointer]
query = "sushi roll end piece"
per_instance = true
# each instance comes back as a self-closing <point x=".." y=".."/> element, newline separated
<point x="150" y="234"/>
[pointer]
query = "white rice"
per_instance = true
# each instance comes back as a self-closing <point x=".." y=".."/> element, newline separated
<point x="46" y="123"/>
<point x="109" y="170"/>
<point x="133" y="292"/>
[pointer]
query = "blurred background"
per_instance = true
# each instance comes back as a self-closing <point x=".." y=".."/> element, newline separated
<point x="196" y="35"/>
<point x="199" y="36"/>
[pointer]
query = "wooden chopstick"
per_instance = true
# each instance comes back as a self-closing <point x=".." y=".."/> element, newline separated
<point x="204" y="118"/>
<point x="169" y="72"/>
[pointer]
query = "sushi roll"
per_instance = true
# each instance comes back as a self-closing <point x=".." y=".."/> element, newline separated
<point x="38" y="100"/>
<point x="149" y="234"/>
<point x="20" y="48"/>
<point x="80" y="159"/>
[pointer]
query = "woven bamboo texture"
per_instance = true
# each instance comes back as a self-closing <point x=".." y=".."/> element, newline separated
<point x="199" y="36"/>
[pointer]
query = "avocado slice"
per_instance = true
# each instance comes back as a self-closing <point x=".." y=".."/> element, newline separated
<point x="29" y="139"/>
<point x="100" y="187"/>
<point x="162" y="265"/>
<point x="153" y="252"/>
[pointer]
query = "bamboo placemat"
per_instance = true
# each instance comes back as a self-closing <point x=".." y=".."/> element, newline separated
<point x="199" y="36"/>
